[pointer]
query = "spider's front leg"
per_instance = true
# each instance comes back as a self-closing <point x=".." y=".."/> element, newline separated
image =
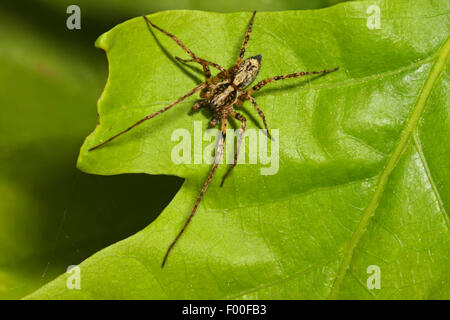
<point x="244" y="45"/>
<point x="202" y="62"/>
<point x="205" y="64"/>
<point x="262" y="83"/>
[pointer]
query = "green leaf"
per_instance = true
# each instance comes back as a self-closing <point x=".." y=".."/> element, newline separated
<point x="363" y="173"/>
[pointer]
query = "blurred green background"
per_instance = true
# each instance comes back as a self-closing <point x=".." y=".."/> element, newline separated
<point x="51" y="214"/>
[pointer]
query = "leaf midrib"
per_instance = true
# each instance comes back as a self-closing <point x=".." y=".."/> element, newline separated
<point x="390" y="166"/>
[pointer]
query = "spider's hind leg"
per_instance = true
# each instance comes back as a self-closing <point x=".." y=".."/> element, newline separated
<point x="218" y="158"/>
<point x="260" y="113"/>
<point x="243" y="120"/>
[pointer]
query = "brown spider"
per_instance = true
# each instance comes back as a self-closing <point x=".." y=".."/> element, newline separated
<point x="221" y="94"/>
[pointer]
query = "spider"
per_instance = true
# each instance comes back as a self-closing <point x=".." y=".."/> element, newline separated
<point x="222" y="93"/>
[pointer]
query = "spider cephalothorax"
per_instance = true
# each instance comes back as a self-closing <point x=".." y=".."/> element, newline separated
<point x="222" y="93"/>
<point x="247" y="72"/>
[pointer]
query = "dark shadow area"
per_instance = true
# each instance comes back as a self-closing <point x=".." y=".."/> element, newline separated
<point x="52" y="20"/>
<point x="78" y="214"/>
<point x="119" y="205"/>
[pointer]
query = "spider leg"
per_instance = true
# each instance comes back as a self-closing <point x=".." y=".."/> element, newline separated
<point x="182" y="45"/>
<point x="202" y="61"/>
<point x="197" y="106"/>
<point x="244" y="45"/>
<point x="205" y="65"/>
<point x="260" y="113"/>
<point x="262" y="83"/>
<point x="213" y="121"/>
<point x="218" y="158"/>
<point x="238" y="145"/>
<point x="174" y="38"/>
<point x="190" y="93"/>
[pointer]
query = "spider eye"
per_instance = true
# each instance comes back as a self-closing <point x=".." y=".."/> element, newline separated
<point x="258" y="58"/>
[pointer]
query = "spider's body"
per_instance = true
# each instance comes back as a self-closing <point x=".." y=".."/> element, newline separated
<point x="222" y="93"/>
<point x="221" y="97"/>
